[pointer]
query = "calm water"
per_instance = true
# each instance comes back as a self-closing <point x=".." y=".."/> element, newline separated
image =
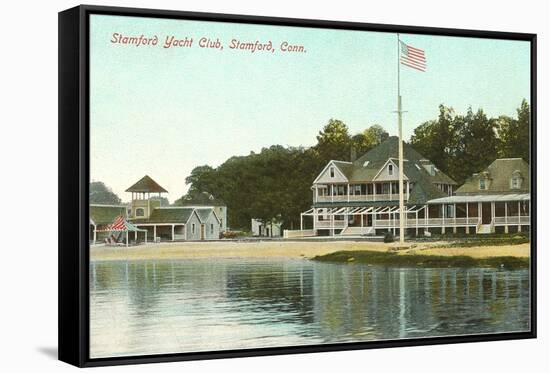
<point x="214" y="304"/>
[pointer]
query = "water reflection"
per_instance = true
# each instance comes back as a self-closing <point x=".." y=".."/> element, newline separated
<point x="198" y="305"/>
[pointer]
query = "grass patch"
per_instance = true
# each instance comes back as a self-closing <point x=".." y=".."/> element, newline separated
<point x="496" y="241"/>
<point x="413" y="260"/>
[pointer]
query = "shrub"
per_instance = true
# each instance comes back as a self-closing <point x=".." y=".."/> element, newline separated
<point x="388" y="237"/>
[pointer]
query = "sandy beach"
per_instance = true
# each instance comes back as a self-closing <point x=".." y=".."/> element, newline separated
<point x="289" y="249"/>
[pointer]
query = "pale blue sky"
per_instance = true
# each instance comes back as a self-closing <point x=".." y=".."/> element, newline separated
<point x="163" y="112"/>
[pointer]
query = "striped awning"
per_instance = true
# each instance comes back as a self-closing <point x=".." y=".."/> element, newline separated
<point x="121" y="225"/>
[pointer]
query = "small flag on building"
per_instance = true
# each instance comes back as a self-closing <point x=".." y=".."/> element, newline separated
<point x="412" y="57"/>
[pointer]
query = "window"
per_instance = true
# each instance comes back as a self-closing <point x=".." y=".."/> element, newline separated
<point x="515" y="182"/>
<point x="332" y="172"/>
<point x="193" y="228"/>
<point x="390" y="169"/>
<point x="482" y="184"/>
<point x="140" y="212"/>
<point x="211" y="228"/>
<point x="366" y="163"/>
<point x="221" y="222"/>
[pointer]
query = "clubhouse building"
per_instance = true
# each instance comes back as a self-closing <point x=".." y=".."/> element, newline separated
<point x="362" y="197"/>
<point x="146" y="219"/>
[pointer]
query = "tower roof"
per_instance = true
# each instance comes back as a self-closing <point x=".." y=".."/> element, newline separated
<point x="146" y="185"/>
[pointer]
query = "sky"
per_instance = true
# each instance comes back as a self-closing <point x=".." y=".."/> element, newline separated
<point x="163" y="111"/>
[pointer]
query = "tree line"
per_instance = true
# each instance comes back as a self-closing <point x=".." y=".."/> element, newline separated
<point x="274" y="185"/>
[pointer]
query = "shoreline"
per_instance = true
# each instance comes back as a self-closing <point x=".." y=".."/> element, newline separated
<point x="297" y="249"/>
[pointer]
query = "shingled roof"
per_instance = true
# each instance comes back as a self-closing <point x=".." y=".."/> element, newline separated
<point x="105" y="214"/>
<point x="146" y="185"/>
<point x="366" y="168"/>
<point x="499" y="174"/>
<point x="170" y="215"/>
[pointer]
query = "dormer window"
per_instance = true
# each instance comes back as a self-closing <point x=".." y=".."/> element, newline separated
<point x="366" y="163"/>
<point x="140" y="212"/>
<point x="332" y="172"/>
<point x="390" y="169"/>
<point x="482" y="184"/>
<point x="516" y="180"/>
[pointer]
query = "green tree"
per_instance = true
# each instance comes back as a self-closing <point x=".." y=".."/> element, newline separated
<point x="368" y="139"/>
<point x="514" y="134"/>
<point x="334" y="141"/>
<point x="101" y="194"/>
<point x="436" y="139"/>
<point x="475" y="145"/>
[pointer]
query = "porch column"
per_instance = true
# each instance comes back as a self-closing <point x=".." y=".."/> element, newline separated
<point x="135" y="236"/>
<point x="301" y="221"/>
<point x="362" y="223"/>
<point x="479" y="213"/>
<point x="519" y="216"/>
<point x="95" y="233"/>
<point x="173" y="232"/>
<point x="443" y="219"/>
<point x="505" y="217"/>
<point x="391" y="190"/>
<point x="315" y="217"/>
<point x="467" y="220"/>
<point x="154" y="233"/>
<point x="145" y="236"/>
<point x="393" y="221"/>
<point x="332" y="192"/>
<point x="373" y="191"/>
<point x="407" y="190"/>
<point x="348" y="191"/>
<point x="427" y="218"/>
<point x="126" y="238"/>
<point x="454" y="217"/>
<point x="417" y="222"/>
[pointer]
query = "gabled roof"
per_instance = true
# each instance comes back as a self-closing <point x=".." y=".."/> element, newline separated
<point x="105" y="214"/>
<point x="146" y="185"/>
<point x="366" y="168"/>
<point x="170" y="215"/>
<point x="499" y="173"/>
<point x="204" y="213"/>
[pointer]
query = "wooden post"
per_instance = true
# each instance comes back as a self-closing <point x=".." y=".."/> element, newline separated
<point x="416" y="219"/>
<point x="443" y="219"/>
<point x="505" y="217"/>
<point x="454" y="217"/>
<point x="173" y="232"/>
<point x="301" y="222"/>
<point x="427" y="218"/>
<point x="467" y="220"/>
<point x="519" y="216"/>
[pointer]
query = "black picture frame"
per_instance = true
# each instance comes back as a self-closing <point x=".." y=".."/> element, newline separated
<point x="73" y="166"/>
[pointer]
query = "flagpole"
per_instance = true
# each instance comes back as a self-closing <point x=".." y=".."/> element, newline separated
<point x="400" y="129"/>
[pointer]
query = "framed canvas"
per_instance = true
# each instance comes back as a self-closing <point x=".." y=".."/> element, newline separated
<point x="233" y="186"/>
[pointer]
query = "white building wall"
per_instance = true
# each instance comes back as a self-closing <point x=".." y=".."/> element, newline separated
<point x="193" y="234"/>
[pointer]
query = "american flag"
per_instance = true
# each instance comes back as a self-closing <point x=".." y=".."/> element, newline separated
<point x="119" y="224"/>
<point x="412" y="57"/>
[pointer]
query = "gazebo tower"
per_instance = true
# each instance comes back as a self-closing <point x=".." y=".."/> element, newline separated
<point x="142" y="205"/>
